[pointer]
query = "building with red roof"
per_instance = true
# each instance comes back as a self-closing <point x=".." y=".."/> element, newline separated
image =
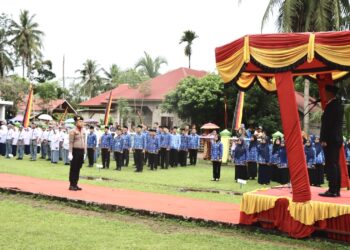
<point x="145" y="99"/>
<point x="40" y="106"/>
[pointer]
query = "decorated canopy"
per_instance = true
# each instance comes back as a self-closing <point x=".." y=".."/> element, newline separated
<point x="256" y="58"/>
<point x="272" y="61"/>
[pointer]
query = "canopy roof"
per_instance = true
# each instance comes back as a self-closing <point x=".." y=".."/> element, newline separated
<point x="255" y="58"/>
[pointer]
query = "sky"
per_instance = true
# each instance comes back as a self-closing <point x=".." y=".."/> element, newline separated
<point x="114" y="31"/>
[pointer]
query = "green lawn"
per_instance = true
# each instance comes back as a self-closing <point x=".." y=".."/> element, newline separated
<point x="170" y="181"/>
<point x="40" y="224"/>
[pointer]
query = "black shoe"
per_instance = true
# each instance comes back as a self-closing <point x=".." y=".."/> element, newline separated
<point x="72" y="188"/>
<point x="329" y="194"/>
<point x="78" y="188"/>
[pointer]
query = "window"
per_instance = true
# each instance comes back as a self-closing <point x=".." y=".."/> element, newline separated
<point x="167" y="121"/>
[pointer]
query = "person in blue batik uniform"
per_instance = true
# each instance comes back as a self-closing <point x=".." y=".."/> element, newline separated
<point x="126" y="146"/>
<point x="139" y="148"/>
<point x="264" y="173"/>
<point x="183" y="148"/>
<point x="91" y="146"/>
<point x="106" y="143"/>
<point x="216" y="156"/>
<point x="164" y="148"/>
<point x="310" y="161"/>
<point x="347" y="154"/>
<point x="117" y="147"/>
<point x="152" y="148"/>
<point x="283" y="171"/>
<point x="319" y="162"/>
<point x="252" y="160"/>
<point x="193" y="146"/>
<point x="174" y="148"/>
<point x="275" y="159"/>
<point x="241" y="171"/>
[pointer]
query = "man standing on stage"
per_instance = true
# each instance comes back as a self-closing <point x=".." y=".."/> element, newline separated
<point x="77" y="151"/>
<point x="332" y="139"/>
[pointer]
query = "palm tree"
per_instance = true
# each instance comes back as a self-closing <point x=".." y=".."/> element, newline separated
<point x="27" y="40"/>
<point x="149" y="66"/>
<point x="308" y="16"/>
<point x="188" y="37"/>
<point x="6" y="63"/>
<point x="114" y="75"/>
<point x="91" y="82"/>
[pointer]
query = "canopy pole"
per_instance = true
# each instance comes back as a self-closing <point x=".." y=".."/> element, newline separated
<point x="292" y="134"/>
<point x="323" y="80"/>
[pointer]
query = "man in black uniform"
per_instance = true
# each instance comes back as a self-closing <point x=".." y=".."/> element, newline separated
<point x="77" y="151"/>
<point x="332" y="138"/>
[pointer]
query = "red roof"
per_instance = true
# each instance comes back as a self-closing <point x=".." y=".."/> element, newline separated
<point x="39" y="105"/>
<point x="160" y="86"/>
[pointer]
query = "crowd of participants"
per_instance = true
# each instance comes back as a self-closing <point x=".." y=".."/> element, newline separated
<point x="254" y="154"/>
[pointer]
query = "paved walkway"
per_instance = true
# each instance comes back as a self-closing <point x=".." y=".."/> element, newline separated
<point x="218" y="212"/>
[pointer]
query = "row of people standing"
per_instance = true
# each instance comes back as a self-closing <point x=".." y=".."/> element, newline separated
<point x="158" y="147"/>
<point x="51" y="142"/>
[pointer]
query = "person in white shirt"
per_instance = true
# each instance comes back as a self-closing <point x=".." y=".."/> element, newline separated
<point x="20" y="143"/>
<point x="3" y="132"/>
<point x="9" y="139"/>
<point x="14" y="141"/>
<point x="27" y="140"/>
<point x="43" y="141"/>
<point x="34" y="137"/>
<point x="49" y="137"/>
<point x="65" y="147"/>
<point x="40" y="133"/>
<point x="98" y="146"/>
<point x="61" y="143"/>
<point x="55" y="145"/>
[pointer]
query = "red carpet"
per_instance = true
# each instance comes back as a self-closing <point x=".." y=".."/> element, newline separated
<point x="218" y="212"/>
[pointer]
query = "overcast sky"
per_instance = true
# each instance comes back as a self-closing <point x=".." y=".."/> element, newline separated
<point x="111" y="31"/>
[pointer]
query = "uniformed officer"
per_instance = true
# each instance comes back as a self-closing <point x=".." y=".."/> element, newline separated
<point x="106" y="144"/>
<point x="77" y="151"/>
<point x="139" y="148"/>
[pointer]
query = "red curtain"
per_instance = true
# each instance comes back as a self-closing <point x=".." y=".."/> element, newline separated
<point x="292" y="134"/>
<point x="323" y="80"/>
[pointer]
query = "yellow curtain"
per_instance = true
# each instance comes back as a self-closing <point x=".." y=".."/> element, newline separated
<point x="267" y="85"/>
<point x="230" y="67"/>
<point x="336" y="54"/>
<point x="245" y="80"/>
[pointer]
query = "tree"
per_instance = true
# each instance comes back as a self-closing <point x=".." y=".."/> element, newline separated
<point x="149" y="66"/>
<point x="27" y="40"/>
<point x="91" y="82"/>
<point x="114" y="76"/>
<point x="188" y="37"/>
<point x="124" y="110"/>
<point x="308" y="16"/>
<point x="48" y="91"/>
<point x="43" y="71"/>
<point x="6" y="50"/>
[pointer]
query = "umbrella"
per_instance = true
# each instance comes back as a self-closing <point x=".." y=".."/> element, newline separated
<point x="91" y="121"/>
<point x="70" y="120"/>
<point x="45" y="117"/>
<point x="69" y="125"/>
<point x="277" y="134"/>
<point x="17" y="118"/>
<point x="210" y="126"/>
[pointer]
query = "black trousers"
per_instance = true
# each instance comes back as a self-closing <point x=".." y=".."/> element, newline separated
<point x="146" y="158"/>
<point x="331" y="153"/>
<point x="139" y="159"/>
<point x="106" y="156"/>
<point x="241" y="172"/>
<point x="319" y="174"/>
<point x="26" y="149"/>
<point x="264" y="174"/>
<point x="91" y="154"/>
<point x="126" y="157"/>
<point x="174" y="157"/>
<point x="152" y="160"/>
<point x="216" y="169"/>
<point x="119" y="157"/>
<point x="75" y="166"/>
<point x="252" y="169"/>
<point x="183" y="158"/>
<point x="193" y="156"/>
<point x="164" y="158"/>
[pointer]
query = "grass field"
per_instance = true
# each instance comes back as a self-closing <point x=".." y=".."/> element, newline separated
<point x="171" y="181"/>
<point x="28" y="223"/>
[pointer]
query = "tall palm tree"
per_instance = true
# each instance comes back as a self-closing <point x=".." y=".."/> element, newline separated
<point x="6" y="63"/>
<point x="308" y="16"/>
<point x="114" y="75"/>
<point x="91" y="82"/>
<point x="149" y="66"/>
<point x="27" y="40"/>
<point x="188" y="37"/>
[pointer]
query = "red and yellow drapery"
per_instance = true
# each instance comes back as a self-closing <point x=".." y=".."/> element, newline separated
<point x="271" y="61"/>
